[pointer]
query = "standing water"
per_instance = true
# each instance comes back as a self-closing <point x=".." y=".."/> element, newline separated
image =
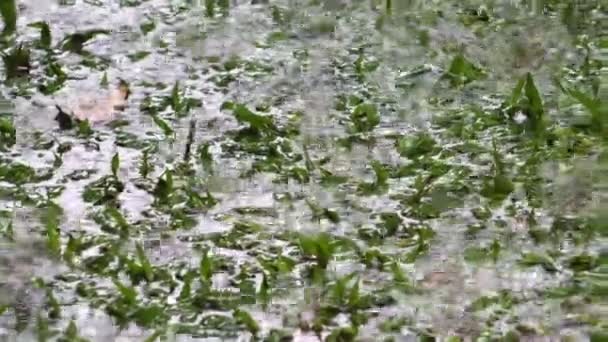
<point x="357" y="170"/>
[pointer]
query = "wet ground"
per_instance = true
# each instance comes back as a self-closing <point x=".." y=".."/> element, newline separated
<point x="358" y="170"/>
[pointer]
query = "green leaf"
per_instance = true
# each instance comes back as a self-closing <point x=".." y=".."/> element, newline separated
<point x="530" y="104"/>
<point x="416" y="146"/>
<point x="582" y="262"/>
<point x="145" y="263"/>
<point x="163" y="125"/>
<point x="45" y="33"/>
<point x="8" y="133"/>
<point x="43" y="332"/>
<point x="75" y="42"/>
<point x="175" y="100"/>
<point x="264" y="292"/>
<point x="533" y="259"/>
<point x="259" y="123"/>
<point x="147" y="26"/>
<point x="210" y="8"/>
<point x="8" y="11"/>
<point x="7" y="231"/>
<point x="381" y="173"/>
<point x="516" y="93"/>
<point x="503" y="185"/>
<point x="164" y="187"/>
<point x="129" y="295"/>
<point x="206" y="267"/>
<point x="318" y="212"/>
<point x="84" y="128"/>
<point x="329" y="179"/>
<point x="536" y="104"/>
<point x="145" y="167"/>
<point x="462" y="71"/>
<point x="320" y="247"/>
<point x="391" y="223"/>
<point x="146" y="316"/>
<point x="224" y="5"/>
<point x="71" y="332"/>
<point x="245" y="318"/>
<point x="380" y="185"/>
<point x="342" y="335"/>
<point x="476" y="254"/>
<point x="17" y="63"/>
<point x="115" y="164"/>
<point x="104" y="81"/>
<point x="51" y="220"/>
<point x="597" y="110"/>
<point x="364" y="118"/>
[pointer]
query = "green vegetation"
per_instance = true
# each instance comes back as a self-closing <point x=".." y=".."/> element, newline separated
<point x="345" y="170"/>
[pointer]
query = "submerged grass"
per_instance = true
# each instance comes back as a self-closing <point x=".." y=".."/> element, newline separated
<point x="347" y="171"/>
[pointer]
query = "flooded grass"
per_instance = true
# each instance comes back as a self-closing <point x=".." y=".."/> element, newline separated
<point x="304" y="170"/>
